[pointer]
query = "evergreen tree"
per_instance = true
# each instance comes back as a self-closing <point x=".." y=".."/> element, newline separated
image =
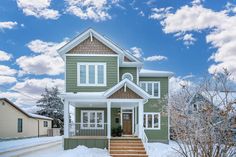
<point x="51" y="106"/>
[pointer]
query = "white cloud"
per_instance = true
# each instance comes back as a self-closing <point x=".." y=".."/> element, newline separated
<point x="38" y="8"/>
<point x="160" y="13"/>
<point x="141" y="13"/>
<point x="4" y="56"/>
<point x="222" y="34"/>
<point x="96" y="10"/>
<point x="197" y="2"/>
<point x="187" y="38"/>
<point x="137" y="52"/>
<point x="5" y="70"/>
<point x="26" y="93"/>
<point x="47" y="62"/>
<point x="155" y="58"/>
<point x="7" y="79"/>
<point x="230" y="7"/>
<point x="7" y="25"/>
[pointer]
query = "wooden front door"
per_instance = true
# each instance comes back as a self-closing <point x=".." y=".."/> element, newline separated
<point x="127" y="123"/>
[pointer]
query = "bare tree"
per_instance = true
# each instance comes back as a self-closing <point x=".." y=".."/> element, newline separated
<point x="200" y="124"/>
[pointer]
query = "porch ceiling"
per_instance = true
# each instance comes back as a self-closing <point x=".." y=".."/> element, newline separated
<point x="103" y="104"/>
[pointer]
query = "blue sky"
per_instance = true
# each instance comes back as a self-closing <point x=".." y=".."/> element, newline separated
<point x="190" y="38"/>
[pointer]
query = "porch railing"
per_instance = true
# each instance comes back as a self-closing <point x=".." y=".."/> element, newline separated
<point x="88" y="129"/>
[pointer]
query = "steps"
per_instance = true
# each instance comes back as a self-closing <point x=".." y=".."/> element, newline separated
<point x="127" y="148"/>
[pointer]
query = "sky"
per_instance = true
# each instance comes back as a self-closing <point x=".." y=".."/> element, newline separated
<point x="191" y="38"/>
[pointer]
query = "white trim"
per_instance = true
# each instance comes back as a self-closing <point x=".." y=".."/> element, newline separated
<point x="123" y="76"/>
<point x="137" y="75"/>
<point x="108" y="119"/>
<point x="168" y="108"/>
<point x="146" y="123"/>
<point x="140" y="120"/>
<point x="66" y="119"/>
<point x="130" y="85"/>
<point x="87" y="64"/>
<point x="95" y="55"/>
<point x="67" y="47"/>
<point x="146" y="88"/>
<point x="95" y="119"/>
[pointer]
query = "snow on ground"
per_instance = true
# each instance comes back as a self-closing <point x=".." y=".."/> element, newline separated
<point x="162" y="150"/>
<point x="80" y="151"/>
<point x="23" y="143"/>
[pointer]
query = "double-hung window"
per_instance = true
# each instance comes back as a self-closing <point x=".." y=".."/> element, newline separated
<point x="92" y="119"/>
<point x="151" y="87"/>
<point x="45" y="123"/>
<point x="152" y="121"/>
<point x="91" y="74"/>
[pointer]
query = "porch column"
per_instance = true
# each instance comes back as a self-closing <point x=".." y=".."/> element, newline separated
<point x="66" y="119"/>
<point x="140" y="119"/>
<point x="108" y="119"/>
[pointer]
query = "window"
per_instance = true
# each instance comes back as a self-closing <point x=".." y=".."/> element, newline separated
<point x="19" y="125"/>
<point x="91" y="74"/>
<point x="128" y="76"/>
<point x="152" y="88"/>
<point x="45" y="123"/>
<point x="92" y="119"/>
<point x="152" y="121"/>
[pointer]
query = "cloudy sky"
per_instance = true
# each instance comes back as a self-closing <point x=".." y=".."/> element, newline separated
<point x="191" y="38"/>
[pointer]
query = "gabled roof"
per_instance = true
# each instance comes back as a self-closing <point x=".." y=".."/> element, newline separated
<point x="106" y="41"/>
<point x="155" y="73"/>
<point x="30" y="115"/>
<point x="130" y="85"/>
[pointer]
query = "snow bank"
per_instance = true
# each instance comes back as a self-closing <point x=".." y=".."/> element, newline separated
<point x="162" y="150"/>
<point x="23" y="143"/>
<point x="82" y="151"/>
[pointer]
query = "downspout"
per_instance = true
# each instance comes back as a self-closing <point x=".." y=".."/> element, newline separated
<point x="38" y="128"/>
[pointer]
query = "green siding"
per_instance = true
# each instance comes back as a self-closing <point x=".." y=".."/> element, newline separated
<point x="132" y="70"/>
<point x="158" y="105"/>
<point x="71" y="72"/>
<point x="71" y="143"/>
<point x="115" y="114"/>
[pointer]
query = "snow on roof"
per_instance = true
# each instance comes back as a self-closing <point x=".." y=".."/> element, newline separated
<point x="39" y="116"/>
<point x="155" y="73"/>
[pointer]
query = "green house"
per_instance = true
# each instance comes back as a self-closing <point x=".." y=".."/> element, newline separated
<point x="108" y="89"/>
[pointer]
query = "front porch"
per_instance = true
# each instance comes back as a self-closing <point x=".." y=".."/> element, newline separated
<point x="94" y="122"/>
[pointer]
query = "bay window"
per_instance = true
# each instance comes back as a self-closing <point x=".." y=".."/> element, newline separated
<point x="91" y="74"/>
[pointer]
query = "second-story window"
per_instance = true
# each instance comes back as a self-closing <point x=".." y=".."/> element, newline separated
<point x="151" y="87"/>
<point x="91" y="74"/>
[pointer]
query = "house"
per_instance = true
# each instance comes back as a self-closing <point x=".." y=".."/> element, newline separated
<point x="108" y="88"/>
<point x="16" y="123"/>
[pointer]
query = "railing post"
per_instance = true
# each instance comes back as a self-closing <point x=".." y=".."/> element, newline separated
<point x="140" y="119"/>
<point x="66" y="119"/>
<point x="108" y="119"/>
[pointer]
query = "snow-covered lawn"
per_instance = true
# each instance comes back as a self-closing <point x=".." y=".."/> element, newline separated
<point x="80" y="151"/>
<point x="162" y="150"/>
<point x="23" y="143"/>
<point x="154" y="150"/>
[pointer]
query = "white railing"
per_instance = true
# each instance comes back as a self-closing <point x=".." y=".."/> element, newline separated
<point x="144" y="140"/>
<point x="88" y="129"/>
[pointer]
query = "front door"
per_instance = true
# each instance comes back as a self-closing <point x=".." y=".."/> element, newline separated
<point x="127" y="123"/>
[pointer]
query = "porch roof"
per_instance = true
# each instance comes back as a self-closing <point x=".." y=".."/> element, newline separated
<point x="106" y="94"/>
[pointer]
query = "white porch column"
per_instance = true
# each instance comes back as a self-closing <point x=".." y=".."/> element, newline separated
<point x="108" y="119"/>
<point x="66" y="119"/>
<point x="140" y="119"/>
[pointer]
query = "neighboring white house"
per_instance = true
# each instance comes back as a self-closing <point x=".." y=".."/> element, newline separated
<point x="16" y="123"/>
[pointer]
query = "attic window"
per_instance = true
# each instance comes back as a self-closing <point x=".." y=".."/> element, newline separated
<point x="128" y="76"/>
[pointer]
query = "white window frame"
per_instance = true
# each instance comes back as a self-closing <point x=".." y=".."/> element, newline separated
<point x="146" y="122"/>
<point x="123" y="76"/>
<point x="146" y="86"/>
<point x="89" y="127"/>
<point x="87" y="64"/>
